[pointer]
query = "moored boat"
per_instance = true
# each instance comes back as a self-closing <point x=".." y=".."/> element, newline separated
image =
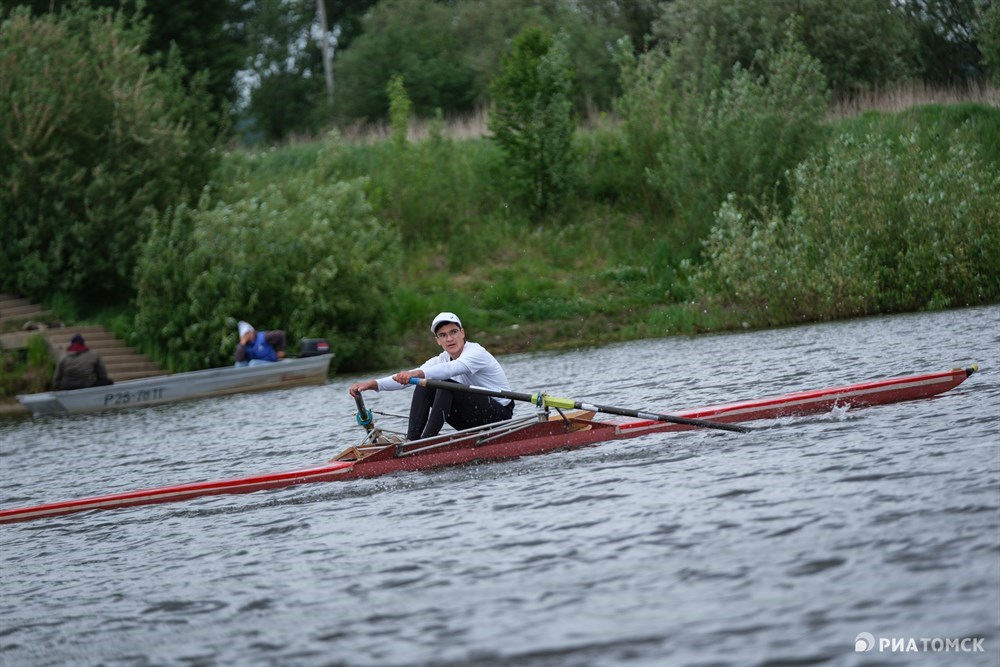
<point x="161" y="389"/>
<point x="380" y="453"/>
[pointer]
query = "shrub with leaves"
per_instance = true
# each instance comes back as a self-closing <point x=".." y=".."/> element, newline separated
<point x="306" y="256"/>
<point x="876" y="226"/>
<point x="740" y="136"/>
<point x="989" y="40"/>
<point x="533" y="118"/>
<point x="95" y="141"/>
<point x="648" y="103"/>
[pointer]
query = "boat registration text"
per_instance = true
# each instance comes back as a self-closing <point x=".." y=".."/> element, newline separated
<point x="137" y="396"/>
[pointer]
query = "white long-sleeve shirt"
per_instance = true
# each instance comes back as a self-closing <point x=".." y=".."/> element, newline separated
<point x="475" y="367"/>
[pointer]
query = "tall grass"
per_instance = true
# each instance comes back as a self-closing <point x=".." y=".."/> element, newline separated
<point x="908" y="94"/>
<point x="889" y="99"/>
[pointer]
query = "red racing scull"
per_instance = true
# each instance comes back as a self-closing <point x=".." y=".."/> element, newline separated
<point x="380" y="454"/>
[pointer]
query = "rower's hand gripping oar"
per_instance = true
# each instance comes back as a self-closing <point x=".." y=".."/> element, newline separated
<point x="544" y="400"/>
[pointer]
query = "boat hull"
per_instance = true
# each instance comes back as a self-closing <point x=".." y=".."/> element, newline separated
<point x="553" y="435"/>
<point x="817" y="401"/>
<point x="169" y="494"/>
<point x="507" y="440"/>
<point x="162" y="389"/>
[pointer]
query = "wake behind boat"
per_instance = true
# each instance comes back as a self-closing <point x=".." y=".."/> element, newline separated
<point x="381" y="454"/>
<point x="157" y="390"/>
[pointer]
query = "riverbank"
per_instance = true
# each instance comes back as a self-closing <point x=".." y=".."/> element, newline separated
<point x="9" y="407"/>
<point x="398" y="233"/>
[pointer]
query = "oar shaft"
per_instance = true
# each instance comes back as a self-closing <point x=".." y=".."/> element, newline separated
<point x="654" y="416"/>
<point x="556" y="402"/>
<point x="482" y="391"/>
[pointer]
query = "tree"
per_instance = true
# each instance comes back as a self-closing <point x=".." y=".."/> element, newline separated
<point x="946" y="31"/>
<point x="989" y="35"/>
<point x="532" y="118"/>
<point x="414" y="39"/>
<point x="210" y="38"/>
<point x="285" y="68"/>
<point x="859" y="43"/>
<point x="96" y="141"/>
<point x="448" y="52"/>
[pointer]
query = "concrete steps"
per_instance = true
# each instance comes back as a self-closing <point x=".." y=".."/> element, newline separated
<point x="15" y="311"/>
<point x="123" y="362"/>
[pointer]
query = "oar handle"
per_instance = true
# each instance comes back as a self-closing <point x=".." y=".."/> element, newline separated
<point x="364" y="416"/>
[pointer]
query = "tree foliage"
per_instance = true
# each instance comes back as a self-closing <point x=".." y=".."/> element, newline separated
<point x="947" y="35"/>
<point x="209" y="38"/>
<point x="449" y="52"/>
<point x="989" y="40"/>
<point x="877" y="225"/>
<point x="697" y="138"/>
<point x="95" y="141"/>
<point x="305" y="255"/>
<point x="858" y="43"/>
<point x="400" y="109"/>
<point x="532" y="118"/>
<point x="284" y="67"/>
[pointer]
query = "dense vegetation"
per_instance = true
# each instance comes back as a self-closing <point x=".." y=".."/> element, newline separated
<point x="713" y="191"/>
<point x="95" y="143"/>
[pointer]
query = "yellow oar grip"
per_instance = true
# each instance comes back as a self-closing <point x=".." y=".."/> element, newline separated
<point x="556" y="402"/>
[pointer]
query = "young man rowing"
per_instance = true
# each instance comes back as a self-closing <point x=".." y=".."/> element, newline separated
<point x="460" y="361"/>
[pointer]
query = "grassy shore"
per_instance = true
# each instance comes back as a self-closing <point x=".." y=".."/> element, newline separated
<point x="599" y="271"/>
<point x="603" y="274"/>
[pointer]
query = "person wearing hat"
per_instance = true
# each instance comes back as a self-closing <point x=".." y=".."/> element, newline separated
<point x="80" y="368"/>
<point x="259" y="347"/>
<point x="460" y="361"/>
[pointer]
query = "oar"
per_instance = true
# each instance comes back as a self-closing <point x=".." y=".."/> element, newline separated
<point x="364" y="415"/>
<point x="544" y="400"/>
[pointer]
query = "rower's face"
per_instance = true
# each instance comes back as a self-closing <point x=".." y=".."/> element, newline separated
<point x="451" y="338"/>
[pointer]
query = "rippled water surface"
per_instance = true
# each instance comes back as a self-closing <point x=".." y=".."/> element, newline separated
<point x="698" y="548"/>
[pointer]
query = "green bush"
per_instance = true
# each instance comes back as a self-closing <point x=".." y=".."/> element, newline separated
<point x="648" y="102"/>
<point x="739" y="136"/>
<point x="306" y="255"/>
<point x="95" y="142"/>
<point x="859" y="44"/>
<point x="877" y="225"/>
<point x="533" y="119"/>
<point x="696" y="138"/>
<point x="27" y="370"/>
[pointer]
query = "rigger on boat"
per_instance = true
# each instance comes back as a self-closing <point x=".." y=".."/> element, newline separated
<point x="559" y="423"/>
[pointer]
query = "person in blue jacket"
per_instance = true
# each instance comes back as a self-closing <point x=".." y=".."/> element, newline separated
<point x="259" y="347"/>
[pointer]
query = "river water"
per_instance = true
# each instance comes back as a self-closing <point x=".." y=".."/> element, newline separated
<point x="777" y="547"/>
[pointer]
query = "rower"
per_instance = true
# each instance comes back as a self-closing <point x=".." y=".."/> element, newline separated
<point x="460" y="361"/>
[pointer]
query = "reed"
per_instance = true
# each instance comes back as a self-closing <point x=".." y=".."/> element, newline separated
<point x="905" y="95"/>
<point x="889" y="99"/>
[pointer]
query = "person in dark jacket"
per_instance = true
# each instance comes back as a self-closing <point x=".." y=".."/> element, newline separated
<point x="80" y="368"/>
<point x="259" y="347"/>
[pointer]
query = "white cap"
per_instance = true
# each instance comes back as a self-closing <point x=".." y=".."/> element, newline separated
<point x="245" y="327"/>
<point x="445" y="317"/>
